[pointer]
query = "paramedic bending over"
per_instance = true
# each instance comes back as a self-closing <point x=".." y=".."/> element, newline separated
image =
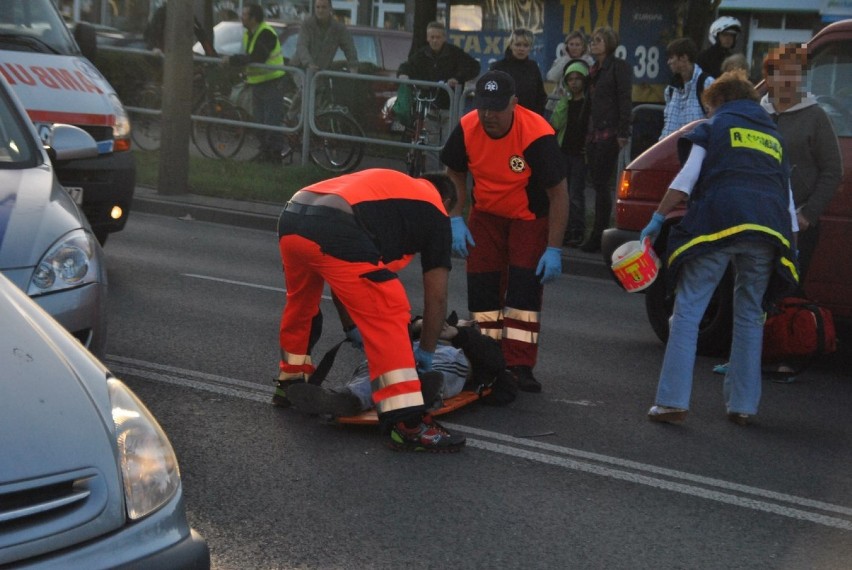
<point x="740" y="210"/>
<point x="354" y="232"/>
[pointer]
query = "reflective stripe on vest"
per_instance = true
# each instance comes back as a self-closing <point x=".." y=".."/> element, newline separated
<point x="256" y="75"/>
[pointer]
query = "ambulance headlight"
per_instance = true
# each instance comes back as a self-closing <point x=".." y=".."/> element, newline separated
<point x="121" y="127"/>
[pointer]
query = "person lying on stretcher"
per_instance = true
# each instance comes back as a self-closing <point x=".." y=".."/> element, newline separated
<point x="468" y="360"/>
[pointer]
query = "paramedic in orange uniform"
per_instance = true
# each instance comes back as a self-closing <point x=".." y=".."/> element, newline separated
<point x="517" y="218"/>
<point x="354" y="232"/>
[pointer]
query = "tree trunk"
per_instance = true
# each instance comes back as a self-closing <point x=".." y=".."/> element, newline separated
<point x="177" y="100"/>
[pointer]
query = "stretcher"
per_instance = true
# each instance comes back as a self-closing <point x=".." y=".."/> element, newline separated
<point x="460" y="400"/>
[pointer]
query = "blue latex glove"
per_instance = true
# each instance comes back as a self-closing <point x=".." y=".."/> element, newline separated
<point x="423" y="359"/>
<point x="353" y="335"/>
<point x="550" y="265"/>
<point x="652" y="230"/>
<point x="461" y="236"/>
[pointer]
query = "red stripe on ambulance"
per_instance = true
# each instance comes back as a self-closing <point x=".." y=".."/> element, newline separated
<point x="71" y="118"/>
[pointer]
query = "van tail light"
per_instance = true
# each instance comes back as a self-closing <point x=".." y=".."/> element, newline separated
<point x="624" y="184"/>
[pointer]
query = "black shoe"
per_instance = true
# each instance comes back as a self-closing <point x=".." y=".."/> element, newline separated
<point x="279" y="397"/>
<point x="429" y="436"/>
<point x="591" y="245"/>
<point x="432" y="388"/>
<point x="313" y="399"/>
<point x="573" y="239"/>
<point x="525" y="379"/>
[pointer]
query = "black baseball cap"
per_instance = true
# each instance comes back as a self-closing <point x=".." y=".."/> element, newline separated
<point x="494" y="90"/>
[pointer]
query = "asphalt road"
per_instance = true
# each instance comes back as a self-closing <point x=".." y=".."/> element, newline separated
<point x="575" y="477"/>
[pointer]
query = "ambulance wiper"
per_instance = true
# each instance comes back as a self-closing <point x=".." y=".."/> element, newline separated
<point x="34" y="43"/>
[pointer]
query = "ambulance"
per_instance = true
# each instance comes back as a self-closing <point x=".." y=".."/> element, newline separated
<point x="57" y="83"/>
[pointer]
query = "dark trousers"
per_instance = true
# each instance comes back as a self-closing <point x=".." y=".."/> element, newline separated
<point x="267" y="106"/>
<point x="576" y="176"/>
<point x="603" y="159"/>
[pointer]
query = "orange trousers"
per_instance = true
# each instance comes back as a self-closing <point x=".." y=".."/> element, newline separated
<point x="373" y="296"/>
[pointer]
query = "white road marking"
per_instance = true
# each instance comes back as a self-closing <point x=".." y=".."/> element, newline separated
<point x="242" y="283"/>
<point x="574" y="459"/>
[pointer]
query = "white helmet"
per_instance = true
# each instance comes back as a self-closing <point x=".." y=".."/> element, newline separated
<point x="723" y="24"/>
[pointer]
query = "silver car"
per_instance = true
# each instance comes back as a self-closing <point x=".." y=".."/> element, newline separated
<point x="88" y="479"/>
<point x="47" y="247"/>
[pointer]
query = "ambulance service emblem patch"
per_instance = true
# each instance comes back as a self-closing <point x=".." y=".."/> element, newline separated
<point x="517" y="163"/>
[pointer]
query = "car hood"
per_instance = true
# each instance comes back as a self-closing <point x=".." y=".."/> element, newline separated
<point x="34" y="212"/>
<point x="56" y="430"/>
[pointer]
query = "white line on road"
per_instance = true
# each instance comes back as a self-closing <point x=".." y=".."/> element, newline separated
<point x="575" y="459"/>
<point x="242" y="283"/>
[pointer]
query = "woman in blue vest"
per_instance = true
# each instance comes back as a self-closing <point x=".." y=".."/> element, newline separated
<point x="740" y="211"/>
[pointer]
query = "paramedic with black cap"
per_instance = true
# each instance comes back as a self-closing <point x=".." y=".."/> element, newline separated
<point x="518" y="214"/>
<point x="355" y="232"/>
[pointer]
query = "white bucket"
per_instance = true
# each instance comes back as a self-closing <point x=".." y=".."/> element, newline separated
<point x="635" y="265"/>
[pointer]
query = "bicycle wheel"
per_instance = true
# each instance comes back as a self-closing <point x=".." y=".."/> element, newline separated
<point x="145" y="128"/>
<point x="226" y="140"/>
<point x="336" y="155"/>
<point x="199" y="130"/>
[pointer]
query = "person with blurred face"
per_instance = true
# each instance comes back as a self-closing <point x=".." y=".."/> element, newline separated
<point x="517" y="63"/>
<point x="810" y="142"/>
<point x="517" y="217"/>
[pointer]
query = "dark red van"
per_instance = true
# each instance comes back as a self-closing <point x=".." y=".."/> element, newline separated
<point x="644" y="181"/>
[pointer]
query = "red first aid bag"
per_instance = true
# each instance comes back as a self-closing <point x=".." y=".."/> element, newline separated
<point x="800" y="329"/>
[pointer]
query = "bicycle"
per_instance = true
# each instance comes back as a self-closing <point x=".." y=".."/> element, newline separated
<point x="329" y="153"/>
<point x="418" y="133"/>
<point x="222" y="140"/>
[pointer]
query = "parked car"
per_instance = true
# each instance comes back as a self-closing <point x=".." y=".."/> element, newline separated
<point x="380" y="52"/>
<point x="88" y="477"/>
<point x="47" y="247"/>
<point x="829" y="281"/>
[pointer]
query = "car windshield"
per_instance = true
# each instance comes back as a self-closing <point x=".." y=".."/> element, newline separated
<point x="17" y="148"/>
<point x="830" y="80"/>
<point x="34" y="25"/>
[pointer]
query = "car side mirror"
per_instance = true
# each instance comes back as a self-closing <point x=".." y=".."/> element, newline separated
<point x="87" y="40"/>
<point x="67" y="142"/>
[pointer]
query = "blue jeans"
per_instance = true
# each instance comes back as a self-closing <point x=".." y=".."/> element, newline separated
<point x="753" y="262"/>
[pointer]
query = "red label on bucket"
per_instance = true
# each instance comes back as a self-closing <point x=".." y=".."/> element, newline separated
<point x="635" y="266"/>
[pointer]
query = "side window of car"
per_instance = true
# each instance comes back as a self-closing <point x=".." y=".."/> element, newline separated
<point x="366" y="48"/>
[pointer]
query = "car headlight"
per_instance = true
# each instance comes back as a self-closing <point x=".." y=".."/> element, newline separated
<point x="148" y="462"/>
<point x="70" y="262"/>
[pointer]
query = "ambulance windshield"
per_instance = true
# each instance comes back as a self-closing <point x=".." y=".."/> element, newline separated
<point x="34" y="25"/>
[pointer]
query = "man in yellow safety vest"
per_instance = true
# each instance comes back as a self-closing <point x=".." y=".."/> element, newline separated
<point x="261" y="45"/>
